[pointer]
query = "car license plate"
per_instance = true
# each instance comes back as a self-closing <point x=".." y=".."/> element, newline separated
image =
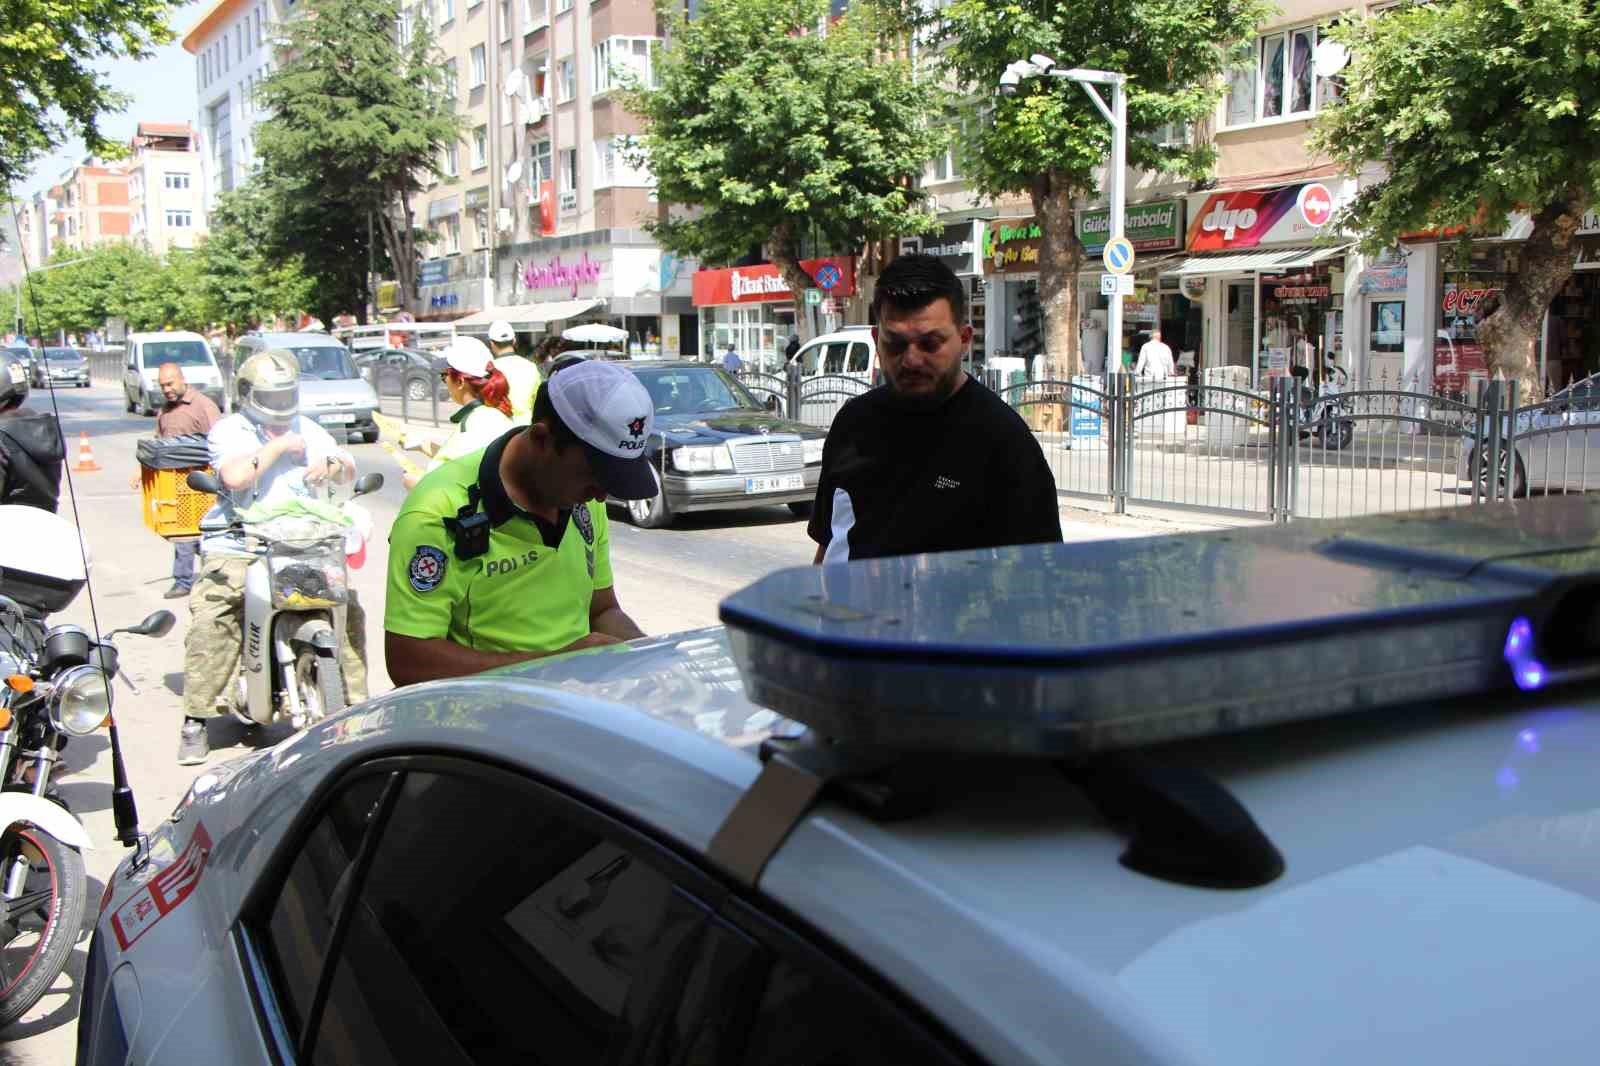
<point x="336" y="420"/>
<point x="775" y="483"/>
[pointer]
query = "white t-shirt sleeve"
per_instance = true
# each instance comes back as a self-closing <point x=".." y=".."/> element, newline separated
<point x="320" y="445"/>
<point x="230" y="438"/>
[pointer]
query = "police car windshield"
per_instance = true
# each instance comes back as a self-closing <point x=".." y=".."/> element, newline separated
<point x="695" y="389"/>
<point x="181" y="353"/>
<point x="325" y="363"/>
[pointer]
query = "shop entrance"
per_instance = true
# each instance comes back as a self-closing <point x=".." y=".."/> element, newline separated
<point x="1238" y="333"/>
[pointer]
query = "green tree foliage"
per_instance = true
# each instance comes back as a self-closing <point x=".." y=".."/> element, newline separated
<point x="49" y="89"/>
<point x="356" y="120"/>
<point x="770" y="130"/>
<point x="241" y="287"/>
<point x="1476" y="109"/>
<point x="1049" y="141"/>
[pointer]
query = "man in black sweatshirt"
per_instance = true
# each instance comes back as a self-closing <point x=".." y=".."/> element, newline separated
<point x="31" y="448"/>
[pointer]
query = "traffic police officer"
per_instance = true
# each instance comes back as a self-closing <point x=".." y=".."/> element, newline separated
<point x="503" y="555"/>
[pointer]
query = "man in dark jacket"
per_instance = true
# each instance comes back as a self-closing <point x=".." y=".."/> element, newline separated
<point x="31" y="448"/>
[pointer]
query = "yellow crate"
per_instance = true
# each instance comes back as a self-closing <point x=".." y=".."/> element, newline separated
<point x="171" y="507"/>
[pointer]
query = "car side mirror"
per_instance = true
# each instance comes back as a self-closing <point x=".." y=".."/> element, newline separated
<point x="368" y="483"/>
<point x="772" y="404"/>
<point x="201" y="481"/>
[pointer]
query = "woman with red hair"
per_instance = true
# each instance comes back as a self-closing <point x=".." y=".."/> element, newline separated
<point x="482" y="392"/>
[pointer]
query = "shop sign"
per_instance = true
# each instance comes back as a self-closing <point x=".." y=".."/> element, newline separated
<point x="448" y="299"/>
<point x="1253" y="217"/>
<point x="1383" y="279"/>
<point x="433" y="272"/>
<point x="763" y="283"/>
<point x="1300" y="294"/>
<point x="388" y="295"/>
<point x="1463" y="301"/>
<point x="1194" y="286"/>
<point x="1011" y="246"/>
<point x="477" y="198"/>
<point x="1150" y="227"/>
<point x="556" y="274"/>
<point x="954" y="246"/>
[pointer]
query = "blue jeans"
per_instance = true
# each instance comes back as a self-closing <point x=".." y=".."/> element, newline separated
<point x="185" y="555"/>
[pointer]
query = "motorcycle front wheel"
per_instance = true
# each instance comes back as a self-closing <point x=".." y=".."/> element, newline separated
<point x="320" y="683"/>
<point x="41" y="924"/>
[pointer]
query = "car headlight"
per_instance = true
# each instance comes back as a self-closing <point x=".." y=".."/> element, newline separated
<point x="700" y="459"/>
<point x="82" y="701"/>
<point x="813" y="451"/>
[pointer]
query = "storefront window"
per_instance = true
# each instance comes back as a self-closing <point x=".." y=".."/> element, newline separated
<point x="1574" y="331"/>
<point x="1470" y="284"/>
<point x="1302" y="320"/>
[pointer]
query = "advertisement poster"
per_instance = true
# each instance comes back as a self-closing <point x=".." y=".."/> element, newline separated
<point x="1251" y="217"/>
<point x="1457" y="364"/>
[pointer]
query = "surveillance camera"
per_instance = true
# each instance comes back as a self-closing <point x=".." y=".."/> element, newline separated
<point x="1043" y="62"/>
<point x="1008" y="82"/>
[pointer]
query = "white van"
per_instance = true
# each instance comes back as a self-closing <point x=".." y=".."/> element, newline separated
<point x="146" y="353"/>
<point x="833" y="368"/>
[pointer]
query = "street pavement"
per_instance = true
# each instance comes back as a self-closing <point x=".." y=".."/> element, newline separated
<point x="668" y="580"/>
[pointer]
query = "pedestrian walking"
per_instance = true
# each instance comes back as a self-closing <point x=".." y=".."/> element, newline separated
<point x="31" y="448"/>
<point x="731" y="361"/>
<point x="792" y="349"/>
<point x="476" y="383"/>
<point x="521" y="374"/>
<point x="931" y="460"/>
<point x="187" y="412"/>
<point x="1155" y="358"/>
<point x="504" y="555"/>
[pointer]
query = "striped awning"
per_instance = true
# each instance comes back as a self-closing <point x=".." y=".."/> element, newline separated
<point x="1250" y="262"/>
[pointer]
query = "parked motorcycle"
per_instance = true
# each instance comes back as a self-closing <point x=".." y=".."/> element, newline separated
<point x="55" y="684"/>
<point x="295" y="594"/>
<point x="1324" y="415"/>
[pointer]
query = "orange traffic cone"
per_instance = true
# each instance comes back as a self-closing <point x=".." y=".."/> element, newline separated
<point x="86" y="463"/>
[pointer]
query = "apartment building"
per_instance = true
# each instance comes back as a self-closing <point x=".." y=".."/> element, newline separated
<point x="539" y="222"/>
<point x="89" y="206"/>
<point x="233" y="46"/>
<point x="165" y="190"/>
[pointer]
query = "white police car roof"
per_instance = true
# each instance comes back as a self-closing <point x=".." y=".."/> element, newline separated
<point x="1439" y="901"/>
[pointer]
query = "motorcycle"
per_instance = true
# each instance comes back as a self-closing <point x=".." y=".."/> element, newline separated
<point x="55" y="684"/>
<point x="295" y="596"/>
<point x="1324" y="416"/>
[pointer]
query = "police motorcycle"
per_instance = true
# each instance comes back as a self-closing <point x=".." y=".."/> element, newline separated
<point x="55" y="684"/>
<point x="295" y="596"/>
<point x="1324" y="415"/>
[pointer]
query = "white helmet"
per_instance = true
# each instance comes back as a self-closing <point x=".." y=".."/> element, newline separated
<point x="269" y="387"/>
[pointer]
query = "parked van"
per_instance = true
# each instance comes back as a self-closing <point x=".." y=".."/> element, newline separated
<point x="332" y="390"/>
<point x="147" y="351"/>
<point x="849" y="352"/>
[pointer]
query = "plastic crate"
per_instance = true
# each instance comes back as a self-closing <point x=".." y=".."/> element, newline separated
<point x="172" y="508"/>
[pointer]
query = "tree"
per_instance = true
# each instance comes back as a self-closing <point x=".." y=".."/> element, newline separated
<point x="240" y="285"/>
<point x="49" y="90"/>
<point x="772" y="130"/>
<point x="1049" y="141"/>
<point x="357" y="119"/>
<point x="1476" y="109"/>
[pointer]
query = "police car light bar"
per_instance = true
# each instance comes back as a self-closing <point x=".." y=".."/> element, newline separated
<point x="1068" y="650"/>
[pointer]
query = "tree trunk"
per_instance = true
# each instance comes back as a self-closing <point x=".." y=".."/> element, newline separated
<point x="397" y="240"/>
<point x="1510" y="335"/>
<point x="1060" y="259"/>
<point x="784" y="250"/>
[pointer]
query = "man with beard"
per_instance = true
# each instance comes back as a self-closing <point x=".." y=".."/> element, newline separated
<point x="930" y="461"/>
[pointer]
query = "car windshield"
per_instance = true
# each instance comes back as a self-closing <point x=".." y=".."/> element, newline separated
<point x="62" y="355"/>
<point x="699" y="388"/>
<point x="183" y="353"/>
<point x="325" y="363"/>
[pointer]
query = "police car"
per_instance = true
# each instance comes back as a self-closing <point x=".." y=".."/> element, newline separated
<point x="1316" y="794"/>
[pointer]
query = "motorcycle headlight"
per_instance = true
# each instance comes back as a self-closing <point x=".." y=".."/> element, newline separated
<point x="701" y="459"/>
<point x="82" y="701"/>
<point x="813" y="451"/>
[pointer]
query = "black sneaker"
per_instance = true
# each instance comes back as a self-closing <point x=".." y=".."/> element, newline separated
<point x="193" y="747"/>
<point x="177" y="592"/>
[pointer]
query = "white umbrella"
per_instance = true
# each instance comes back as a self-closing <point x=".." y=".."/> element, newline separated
<point x="595" y="333"/>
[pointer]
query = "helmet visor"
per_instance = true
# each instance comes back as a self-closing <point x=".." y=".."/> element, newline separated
<point x="280" y="404"/>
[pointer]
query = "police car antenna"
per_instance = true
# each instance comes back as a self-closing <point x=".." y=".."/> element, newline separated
<point x="125" y="811"/>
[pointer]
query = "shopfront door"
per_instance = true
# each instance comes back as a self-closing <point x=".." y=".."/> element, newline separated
<point x="1240" y="323"/>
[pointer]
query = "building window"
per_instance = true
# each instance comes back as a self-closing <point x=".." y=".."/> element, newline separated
<point x="258" y="27"/>
<point x="505" y="20"/>
<point x="179" y="219"/>
<point x="480" y="66"/>
<point x="480" y="147"/>
<point x="538" y="68"/>
<point x="563" y="5"/>
<point x="447" y="11"/>
<point x="534" y="15"/>
<point x="566" y="80"/>
<point x="1277" y="79"/>
<point x="539" y="169"/>
<point x="569" y="170"/>
<point x="480" y="228"/>
<point x="176" y="179"/>
<point x="613" y="166"/>
<point x="942" y="168"/>
<point x="451" y="87"/>
<point x="452" y="235"/>
<point x="614" y="55"/>
<point x="452" y="159"/>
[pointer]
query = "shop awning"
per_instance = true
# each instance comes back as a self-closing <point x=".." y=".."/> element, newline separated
<point x="534" y="315"/>
<point x="1248" y="262"/>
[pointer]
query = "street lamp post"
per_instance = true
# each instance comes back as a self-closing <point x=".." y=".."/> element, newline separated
<point x="1042" y="66"/>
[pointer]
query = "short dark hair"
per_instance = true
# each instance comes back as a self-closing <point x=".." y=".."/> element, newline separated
<point x="912" y="282"/>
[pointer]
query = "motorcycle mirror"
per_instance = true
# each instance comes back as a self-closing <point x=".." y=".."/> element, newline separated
<point x="368" y="483"/>
<point x="201" y="481"/>
<point x="157" y="625"/>
<point x="1300" y="372"/>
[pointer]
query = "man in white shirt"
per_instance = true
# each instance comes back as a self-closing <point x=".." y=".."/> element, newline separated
<point x="1155" y="358"/>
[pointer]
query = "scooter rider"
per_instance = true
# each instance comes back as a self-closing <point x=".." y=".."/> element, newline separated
<point x="265" y="453"/>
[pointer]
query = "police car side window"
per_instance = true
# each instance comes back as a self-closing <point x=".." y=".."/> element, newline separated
<point x="495" y="926"/>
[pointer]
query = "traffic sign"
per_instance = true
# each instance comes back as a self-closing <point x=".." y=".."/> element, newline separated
<point x="1125" y="284"/>
<point x="813" y="297"/>
<point x="1118" y="255"/>
<point x="1108" y="284"/>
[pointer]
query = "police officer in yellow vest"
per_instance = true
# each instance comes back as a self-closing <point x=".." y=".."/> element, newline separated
<point x="522" y="374"/>
<point x="503" y="555"/>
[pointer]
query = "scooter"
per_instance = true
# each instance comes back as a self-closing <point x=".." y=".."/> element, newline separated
<point x="1324" y="416"/>
<point x="295" y="596"/>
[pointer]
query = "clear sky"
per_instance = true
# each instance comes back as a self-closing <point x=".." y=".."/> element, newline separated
<point x="163" y="90"/>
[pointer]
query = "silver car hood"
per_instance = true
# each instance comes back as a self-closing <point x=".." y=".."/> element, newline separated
<point x="343" y="392"/>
